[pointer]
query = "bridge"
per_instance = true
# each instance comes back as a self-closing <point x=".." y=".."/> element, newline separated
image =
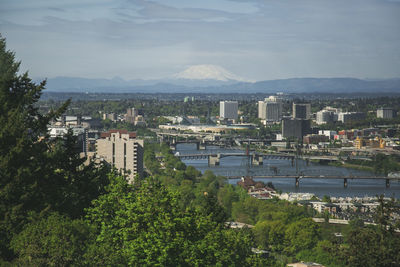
<point x="299" y="177"/>
<point x="214" y="158"/>
<point x="255" y="158"/>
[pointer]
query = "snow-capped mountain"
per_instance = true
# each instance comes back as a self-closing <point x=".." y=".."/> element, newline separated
<point x="207" y="72"/>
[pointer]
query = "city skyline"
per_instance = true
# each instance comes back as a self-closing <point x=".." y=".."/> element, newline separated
<point x="255" y="40"/>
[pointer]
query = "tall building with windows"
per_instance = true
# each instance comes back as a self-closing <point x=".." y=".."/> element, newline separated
<point x="385" y="113"/>
<point x="295" y="128"/>
<point x="122" y="150"/>
<point x="301" y="111"/>
<point x="270" y="109"/>
<point x="228" y="110"/>
<point x="324" y="116"/>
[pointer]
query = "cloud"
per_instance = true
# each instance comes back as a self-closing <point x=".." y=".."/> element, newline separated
<point x="255" y="39"/>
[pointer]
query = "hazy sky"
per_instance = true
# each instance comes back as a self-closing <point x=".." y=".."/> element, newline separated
<point x="256" y="40"/>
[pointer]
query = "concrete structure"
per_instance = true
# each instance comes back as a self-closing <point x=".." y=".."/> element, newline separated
<point x="301" y="111"/>
<point x="315" y="138"/>
<point x="110" y="116"/>
<point x="228" y="110"/>
<point x="133" y="112"/>
<point x="122" y="150"/>
<point x="350" y="116"/>
<point x="261" y="110"/>
<point x="296" y="128"/>
<point x="376" y="142"/>
<point x="329" y="133"/>
<point x="270" y="109"/>
<point x="325" y="116"/>
<point x="132" y="116"/>
<point x="385" y="113"/>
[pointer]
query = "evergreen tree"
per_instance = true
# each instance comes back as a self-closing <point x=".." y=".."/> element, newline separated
<point x="36" y="174"/>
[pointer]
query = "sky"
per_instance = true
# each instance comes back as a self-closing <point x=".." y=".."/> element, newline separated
<point x="254" y="39"/>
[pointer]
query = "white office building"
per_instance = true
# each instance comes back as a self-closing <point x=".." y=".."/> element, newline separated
<point x="270" y="109"/>
<point x="325" y="116"/>
<point x="228" y="110"/>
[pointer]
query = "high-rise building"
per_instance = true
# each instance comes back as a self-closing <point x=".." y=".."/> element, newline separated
<point x="385" y="113"/>
<point x="270" y="109"/>
<point x="295" y="128"/>
<point x="122" y="150"/>
<point x="228" y="110"/>
<point x="325" y="116"/>
<point x="301" y="111"/>
<point x="262" y="110"/>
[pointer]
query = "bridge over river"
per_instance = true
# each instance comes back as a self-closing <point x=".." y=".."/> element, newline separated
<point x="297" y="178"/>
<point x="255" y="158"/>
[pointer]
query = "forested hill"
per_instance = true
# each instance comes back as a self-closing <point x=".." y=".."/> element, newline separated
<point x="294" y="85"/>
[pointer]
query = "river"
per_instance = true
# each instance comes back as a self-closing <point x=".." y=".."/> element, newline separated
<point x="236" y="166"/>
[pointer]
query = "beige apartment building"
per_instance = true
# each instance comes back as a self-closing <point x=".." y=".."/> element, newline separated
<point x="122" y="150"/>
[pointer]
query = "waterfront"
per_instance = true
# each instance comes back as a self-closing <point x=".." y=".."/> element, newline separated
<point x="236" y="166"/>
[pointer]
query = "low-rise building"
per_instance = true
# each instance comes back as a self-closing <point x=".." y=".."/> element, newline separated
<point x="346" y="117"/>
<point x="330" y="134"/>
<point x="315" y="138"/>
<point x="110" y="116"/>
<point x="385" y="113"/>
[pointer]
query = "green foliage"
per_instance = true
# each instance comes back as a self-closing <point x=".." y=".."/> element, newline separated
<point x="227" y="195"/>
<point x="367" y="248"/>
<point x="326" y="198"/>
<point x="145" y="226"/>
<point x="325" y="252"/>
<point x="300" y="235"/>
<point x="52" y="241"/>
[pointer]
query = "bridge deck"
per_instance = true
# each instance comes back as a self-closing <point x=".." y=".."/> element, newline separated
<point x="232" y="155"/>
<point x="314" y="177"/>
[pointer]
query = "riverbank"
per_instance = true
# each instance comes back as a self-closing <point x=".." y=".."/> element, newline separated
<point x="352" y="166"/>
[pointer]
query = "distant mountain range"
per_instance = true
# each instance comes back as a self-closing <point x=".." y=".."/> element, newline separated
<point x="294" y="85"/>
<point x="215" y="79"/>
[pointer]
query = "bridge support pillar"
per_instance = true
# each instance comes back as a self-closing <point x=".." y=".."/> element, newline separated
<point x="257" y="160"/>
<point x="292" y="162"/>
<point x="198" y="145"/>
<point x="201" y="146"/>
<point x="307" y="161"/>
<point x="345" y="182"/>
<point x="213" y="160"/>
<point x="297" y="182"/>
<point x="387" y="183"/>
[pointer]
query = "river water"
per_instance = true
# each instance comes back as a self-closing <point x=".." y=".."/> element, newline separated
<point x="237" y="166"/>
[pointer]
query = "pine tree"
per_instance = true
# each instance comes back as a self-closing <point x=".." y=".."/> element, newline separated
<point x="36" y="174"/>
